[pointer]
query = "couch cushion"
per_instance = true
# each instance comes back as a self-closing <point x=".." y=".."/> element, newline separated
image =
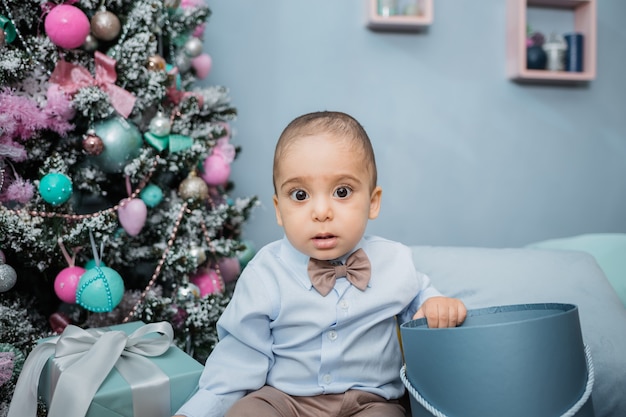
<point x="485" y="277"/>
<point x="609" y="249"/>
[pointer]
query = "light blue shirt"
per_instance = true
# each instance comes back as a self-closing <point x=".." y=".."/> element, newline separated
<point x="278" y="330"/>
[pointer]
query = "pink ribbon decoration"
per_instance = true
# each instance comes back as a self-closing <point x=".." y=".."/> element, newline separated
<point x="176" y="96"/>
<point x="225" y="150"/>
<point x="72" y="78"/>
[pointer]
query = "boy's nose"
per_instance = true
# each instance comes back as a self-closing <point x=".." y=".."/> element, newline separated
<point x="322" y="210"/>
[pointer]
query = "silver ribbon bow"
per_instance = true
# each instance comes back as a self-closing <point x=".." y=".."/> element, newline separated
<point x="85" y="358"/>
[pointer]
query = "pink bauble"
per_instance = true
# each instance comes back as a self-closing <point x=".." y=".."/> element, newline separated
<point x="208" y="281"/>
<point x="230" y="269"/>
<point x="67" y="26"/>
<point x="189" y="4"/>
<point x="198" y="32"/>
<point x="202" y="65"/>
<point x="215" y="170"/>
<point x="66" y="283"/>
<point x="132" y="215"/>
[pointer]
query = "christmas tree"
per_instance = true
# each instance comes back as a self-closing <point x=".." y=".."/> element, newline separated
<point x="114" y="174"/>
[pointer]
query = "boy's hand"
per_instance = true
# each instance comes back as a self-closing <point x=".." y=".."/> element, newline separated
<point x="442" y="312"/>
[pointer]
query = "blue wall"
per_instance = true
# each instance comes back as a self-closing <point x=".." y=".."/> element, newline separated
<point x="466" y="157"/>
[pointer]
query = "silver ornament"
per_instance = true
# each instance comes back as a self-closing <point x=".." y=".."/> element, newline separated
<point x="160" y="125"/>
<point x="91" y="43"/>
<point x="187" y="292"/>
<point x="183" y="63"/>
<point x="8" y="277"/>
<point x="193" y="47"/>
<point x="198" y="253"/>
<point x="105" y="25"/>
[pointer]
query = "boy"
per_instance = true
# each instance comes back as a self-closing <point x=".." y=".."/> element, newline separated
<point x="296" y="340"/>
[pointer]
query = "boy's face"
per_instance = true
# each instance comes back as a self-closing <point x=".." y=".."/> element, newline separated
<point x="323" y="198"/>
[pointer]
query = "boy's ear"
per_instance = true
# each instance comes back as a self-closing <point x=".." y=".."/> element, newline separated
<point x="279" y="220"/>
<point x="375" y="202"/>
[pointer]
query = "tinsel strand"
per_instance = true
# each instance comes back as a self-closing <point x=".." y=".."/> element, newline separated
<point x="157" y="271"/>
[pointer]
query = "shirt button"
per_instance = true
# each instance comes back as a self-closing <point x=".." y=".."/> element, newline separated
<point x="332" y="335"/>
<point x="327" y="379"/>
<point x="344" y="304"/>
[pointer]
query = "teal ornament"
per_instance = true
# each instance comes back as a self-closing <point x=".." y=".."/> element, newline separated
<point x="92" y="262"/>
<point x="152" y="195"/>
<point x="6" y="26"/>
<point x="55" y="188"/>
<point x="100" y="289"/>
<point x="122" y="143"/>
<point x="246" y="254"/>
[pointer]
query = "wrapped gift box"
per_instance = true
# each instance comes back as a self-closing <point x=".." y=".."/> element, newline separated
<point x="145" y="395"/>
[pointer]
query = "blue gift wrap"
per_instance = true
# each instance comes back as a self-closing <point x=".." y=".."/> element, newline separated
<point x="514" y="361"/>
<point x="128" y="370"/>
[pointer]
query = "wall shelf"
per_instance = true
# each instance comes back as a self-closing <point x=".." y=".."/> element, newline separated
<point x="584" y="22"/>
<point x="400" y="22"/>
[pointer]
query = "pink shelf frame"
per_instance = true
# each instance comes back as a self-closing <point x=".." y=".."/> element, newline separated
<point x="398" y="22"/>
<point x="584" y="22"/>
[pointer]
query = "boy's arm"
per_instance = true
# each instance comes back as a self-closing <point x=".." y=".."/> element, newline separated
<point x="240" y="361"/>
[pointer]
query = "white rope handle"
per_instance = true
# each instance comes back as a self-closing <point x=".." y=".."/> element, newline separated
<point x="569" y="413"/>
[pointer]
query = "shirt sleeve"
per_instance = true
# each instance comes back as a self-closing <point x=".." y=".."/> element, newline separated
<point x="243" y="356"/>
<point x="426" y="291"/>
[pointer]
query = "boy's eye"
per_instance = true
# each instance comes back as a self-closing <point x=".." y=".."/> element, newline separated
<point x="299" y="195"/>
<point x="342" y="192"/>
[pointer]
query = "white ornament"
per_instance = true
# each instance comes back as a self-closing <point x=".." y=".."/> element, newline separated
<point x="193" y="47"/>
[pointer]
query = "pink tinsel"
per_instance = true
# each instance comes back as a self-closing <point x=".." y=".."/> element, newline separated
<point x="9" y="148"/>
<point x="6" y="366"/>
<point x="20" y="191"/>
<point x="59" y="110"/>
<point x="22" y="116"/>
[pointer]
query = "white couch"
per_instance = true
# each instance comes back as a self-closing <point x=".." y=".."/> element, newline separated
<point x="486" y="277"/>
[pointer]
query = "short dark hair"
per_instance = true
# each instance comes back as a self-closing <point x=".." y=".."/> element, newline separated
<point x="327" y="122"/>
